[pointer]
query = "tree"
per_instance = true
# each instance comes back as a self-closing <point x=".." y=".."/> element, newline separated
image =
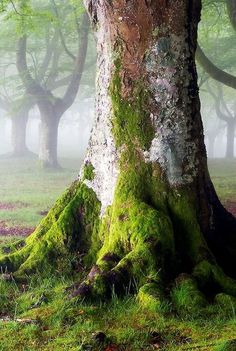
<point x="18" y="111"/>
<point x="50" y="106"/>
<point x="224" y="114"/>
<point x="207" y="64"/>
<point x="144" y="209"/>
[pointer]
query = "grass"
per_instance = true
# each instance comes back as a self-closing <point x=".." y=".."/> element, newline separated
<point x="223" y="173"/>
<point x="41" y="317"/>
<point x="62" y="324"/>
<point x="31" y="190"/>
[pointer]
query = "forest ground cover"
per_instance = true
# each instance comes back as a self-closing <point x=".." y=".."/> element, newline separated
<point x="27" y="192"/>
<point x="39" y="316"/>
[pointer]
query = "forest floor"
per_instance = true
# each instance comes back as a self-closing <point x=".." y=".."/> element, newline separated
<point x="39" y="316"/>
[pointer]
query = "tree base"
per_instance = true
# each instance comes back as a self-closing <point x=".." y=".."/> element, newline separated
<point x="131" y="250"/>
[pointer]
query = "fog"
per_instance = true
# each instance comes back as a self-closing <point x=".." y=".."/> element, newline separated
<point x="51" y="49"/>
<point x="73" y="133"/>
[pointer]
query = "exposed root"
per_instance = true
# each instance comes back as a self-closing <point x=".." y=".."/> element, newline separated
<point x="58" y="236"/>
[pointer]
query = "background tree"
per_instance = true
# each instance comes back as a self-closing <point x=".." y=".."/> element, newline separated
<point x="229" y="117"/>
<point x="52" y="108"/>
<point x="216" y="36"/>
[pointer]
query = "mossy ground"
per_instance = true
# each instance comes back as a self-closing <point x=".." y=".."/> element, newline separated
<point x="58" y="323"/>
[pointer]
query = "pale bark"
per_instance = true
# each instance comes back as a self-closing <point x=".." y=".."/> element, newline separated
<point x="231" y="126"/>
<point x="211" y="145"/>
<point x="18" y="133"/>
<point x="48" y="140"/>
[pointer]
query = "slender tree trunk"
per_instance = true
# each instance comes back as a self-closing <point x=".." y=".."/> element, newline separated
<point x="143" y="210"/>
<point x="18" y="133"/>
<point x="48" y="143"/>
<point x="2" y="129"/>
<point x="211" y="145"/>
<point x="231" y="125"/>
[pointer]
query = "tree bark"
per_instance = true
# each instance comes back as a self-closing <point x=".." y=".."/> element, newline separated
<point x="231" y="7"/>
<point x="18" y="132"/>
<point x="48" y="138"/>
<point x="143" y="210"/>
<point x="231" y="125"/>
<point x="211" y="145"/>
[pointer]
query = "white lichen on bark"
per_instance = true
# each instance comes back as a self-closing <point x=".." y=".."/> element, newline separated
<point x="102" y="152"/>
<point x="172" y="144"/>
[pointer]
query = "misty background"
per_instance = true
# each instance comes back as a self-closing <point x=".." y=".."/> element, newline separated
<point x="54" y="31"/>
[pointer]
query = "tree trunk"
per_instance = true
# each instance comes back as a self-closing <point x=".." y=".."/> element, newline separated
<point x="211" y="145"/>
<point x="48" y="141"/>
<point x="18" y="133"/>
<point x="231" y="124"/>
<point x="2" y="129"/>
<point x="144" y="209"/>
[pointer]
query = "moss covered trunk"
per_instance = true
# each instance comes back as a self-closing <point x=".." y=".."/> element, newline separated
<point x="143" y="210"/>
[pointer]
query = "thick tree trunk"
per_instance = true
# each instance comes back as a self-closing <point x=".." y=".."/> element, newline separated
<point x="144" y="209"/>
<point x="48" y="142"/>
<point x="18" y="133"/>
<point x="231" y="125"/>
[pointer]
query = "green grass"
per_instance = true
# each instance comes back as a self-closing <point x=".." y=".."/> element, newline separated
<point x="31" y="189"/>
<point x="61" y="324"/>
<point x="223" y="173"/>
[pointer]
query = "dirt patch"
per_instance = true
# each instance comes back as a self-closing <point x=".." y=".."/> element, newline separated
<point x="43" y="213"/>
<point x="10" y="206"/>
<point x="231" y="206"/>
<point x="5" y="230"/>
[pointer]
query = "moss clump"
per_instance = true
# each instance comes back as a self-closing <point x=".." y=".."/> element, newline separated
<point x="229" y="345"/>
<point x="227" y="304"/>
<point x="186" y="297"/>
<point x="69" y="226"/>
<point x="149" y="297"/>
<point x="212" y="279"/>
<point x="88" y="171"/>
<point x="225" y="300"/>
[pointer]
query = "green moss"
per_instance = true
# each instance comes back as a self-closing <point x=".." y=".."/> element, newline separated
<point x="137" y="233"/>
<point x="229" y="345"/>
<point x="186" y="297"/>
<point x="226" y="303"/>
<point x="211" y="277"/>
<point x="150" y="297"/>
<point x="69" y="227"/>
<point x="190" y="243"/>
<point x="88" y="171"/>
<point x="131" y="123"/>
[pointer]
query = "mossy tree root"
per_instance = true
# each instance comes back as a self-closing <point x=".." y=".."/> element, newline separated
<point x="68" y="229"/>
